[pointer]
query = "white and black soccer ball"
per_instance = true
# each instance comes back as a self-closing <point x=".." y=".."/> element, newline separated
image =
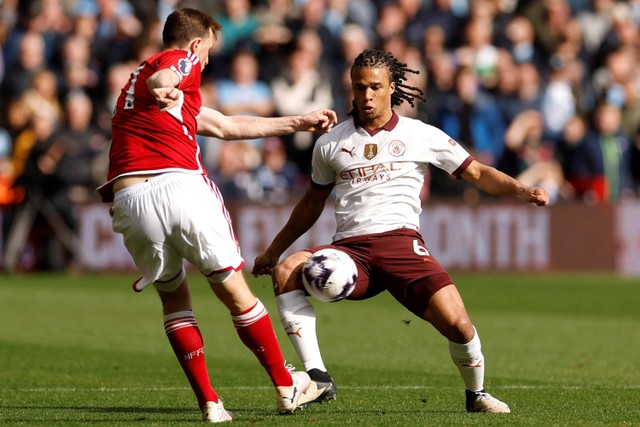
<point x="329" y="275"/>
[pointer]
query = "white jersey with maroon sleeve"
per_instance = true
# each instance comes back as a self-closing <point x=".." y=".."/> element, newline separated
<point x="378" y="177"/>
<point x="146" y="140"/>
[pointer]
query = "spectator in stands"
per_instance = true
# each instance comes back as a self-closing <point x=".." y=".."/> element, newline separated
<point x="352" y="40"/>
<point x="472" y="117"/>
<point x="84" y="145"/>
<point x="239" y="23"/>
<point x="599" y="165"/>
<point x="312" y="20"/>
<point x="364" y="14"/>
<point x="13" y="119"/>
<point x="415" y="12"/>
<point x="549" y="19"/>
<point x="433" y="43"/>
<point x="595" y="23"/>
<point x="116" y="28"/>
<point x="19" y="116"/>
<point x="44" y="90"/>
<point x="614" y="152"/>
<point x="47" y="19"/>
<point x="580" y="163"/>
<point x="302" y="88"/>
<point x="18" y="129"/>
<point x="529" y="157"/>
<point x="558" y="99"/>
<point x="240" y="94"/>
<point x="42" y="184"/>
<point x="278" y="177"/>
<point x="29" y="61"/>
<point x="519" y="87"/>
<point x="623" y="32"/>
<point x="78" y="68"/>
<point x="478" y="51"/>
<point x="530" y="87"/>
<point x="391" y="21"/>
<point x="273" y="34"/>
<point x="618" y="82"/>
<point x="443" y="14"/>
<point x="441" y="69"/>
<point x="520" y="41"/>
<point x="508" y="83"/>
<point x="243" y="93"/>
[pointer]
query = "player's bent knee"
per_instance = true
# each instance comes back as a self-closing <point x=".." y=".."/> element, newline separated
<point x="459" y="329"/>
<point x="286" y="275"/>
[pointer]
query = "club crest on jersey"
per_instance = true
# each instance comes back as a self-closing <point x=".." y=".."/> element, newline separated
<point x="370" y="151"/>
<point x="184" y="66"/>
<point x="397" y="148"/>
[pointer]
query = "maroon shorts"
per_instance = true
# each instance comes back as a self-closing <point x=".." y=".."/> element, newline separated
<point x="396" y="261"/>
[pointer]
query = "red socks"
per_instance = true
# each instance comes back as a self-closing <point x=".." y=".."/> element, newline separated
<point x="185" y="338"/>
<point x="256" y="332"/>
<point x="254" y="329"/>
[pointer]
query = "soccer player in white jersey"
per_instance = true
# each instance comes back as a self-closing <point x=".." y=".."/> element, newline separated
<point x="169" y="211"/>
<point x="376" y="161"/>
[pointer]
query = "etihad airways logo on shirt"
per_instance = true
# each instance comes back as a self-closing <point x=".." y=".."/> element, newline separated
<point x="370" y="173"/>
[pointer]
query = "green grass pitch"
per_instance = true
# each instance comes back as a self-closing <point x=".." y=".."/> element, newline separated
<point x="562" y="350"/>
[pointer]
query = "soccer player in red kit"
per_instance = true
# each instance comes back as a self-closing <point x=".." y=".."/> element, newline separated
<point x="376" y="162"/>
<point x="169" y="211"/>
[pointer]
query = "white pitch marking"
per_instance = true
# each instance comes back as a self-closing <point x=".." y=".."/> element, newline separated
<point x="374" y="387"/>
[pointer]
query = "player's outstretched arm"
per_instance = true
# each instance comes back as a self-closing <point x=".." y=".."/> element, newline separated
<point x="496" y="183"/>
<point x="304" y="215"/>
<point x="214" y="123"/>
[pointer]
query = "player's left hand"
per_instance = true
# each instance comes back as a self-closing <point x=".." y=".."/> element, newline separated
<point x="263" y="264"/>
<point x="321" y="120"/>
<point x="539" y="196"/>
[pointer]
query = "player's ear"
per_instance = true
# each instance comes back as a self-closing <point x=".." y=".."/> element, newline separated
<point x="195" y="44"/>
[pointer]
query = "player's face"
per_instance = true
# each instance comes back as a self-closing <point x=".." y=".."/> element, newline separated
<point x="372" y="89"/>
<point x="202" y="47"/>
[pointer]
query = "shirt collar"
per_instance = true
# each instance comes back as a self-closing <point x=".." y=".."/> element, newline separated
<point x="389" y="126"/>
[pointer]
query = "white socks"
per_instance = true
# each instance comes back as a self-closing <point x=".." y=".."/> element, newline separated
<point x="299" y="320"/>
<point x="470" y="362"/>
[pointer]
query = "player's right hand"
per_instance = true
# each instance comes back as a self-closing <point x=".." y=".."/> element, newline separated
<point x="321" y="120"/>
<point x="539" y="196"/>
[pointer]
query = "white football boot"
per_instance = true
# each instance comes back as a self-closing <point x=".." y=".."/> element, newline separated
<point x="481" y="401"/>
<point x="289" y="397"/>
<point x="214" y="412"/>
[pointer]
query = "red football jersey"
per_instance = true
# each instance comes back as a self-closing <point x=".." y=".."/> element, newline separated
<point x="145" y="140"/>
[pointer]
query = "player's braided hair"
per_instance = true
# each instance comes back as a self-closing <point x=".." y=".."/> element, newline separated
<point x="372" y="58"/>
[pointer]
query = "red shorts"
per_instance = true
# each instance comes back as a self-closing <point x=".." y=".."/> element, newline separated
<point x="396" y="261"/>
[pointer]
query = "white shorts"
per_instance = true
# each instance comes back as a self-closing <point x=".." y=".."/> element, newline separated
<point x="174" y="217"/>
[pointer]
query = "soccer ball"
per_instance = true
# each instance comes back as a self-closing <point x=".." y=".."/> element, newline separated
<point x="329" y="275"/>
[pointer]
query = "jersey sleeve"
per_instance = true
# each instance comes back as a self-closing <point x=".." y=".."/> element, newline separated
<point x="322" y="175"/>
<point x="446" y="153"/>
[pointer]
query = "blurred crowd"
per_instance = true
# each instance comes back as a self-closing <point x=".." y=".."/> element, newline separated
<point x="547" y="91"/>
